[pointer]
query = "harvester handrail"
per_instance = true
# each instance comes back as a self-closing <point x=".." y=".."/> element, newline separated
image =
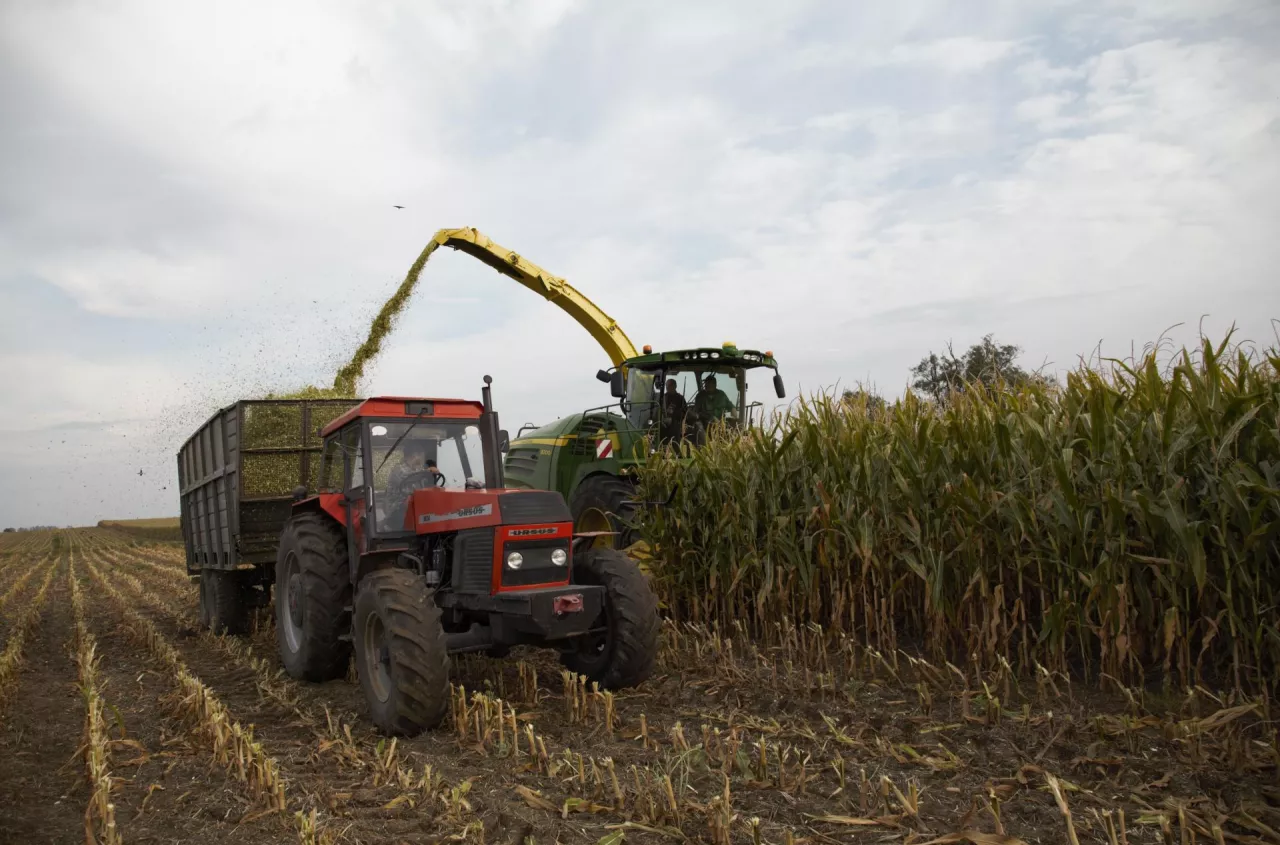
<point x="554" y="289"/>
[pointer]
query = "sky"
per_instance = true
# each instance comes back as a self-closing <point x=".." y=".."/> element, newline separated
<point x="197" y="200"/>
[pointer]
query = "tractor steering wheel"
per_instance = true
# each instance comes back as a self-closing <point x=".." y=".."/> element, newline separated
<point x="405" y="487"/>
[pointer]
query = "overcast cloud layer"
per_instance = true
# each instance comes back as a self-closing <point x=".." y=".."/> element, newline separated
<point x="196" y="201"/>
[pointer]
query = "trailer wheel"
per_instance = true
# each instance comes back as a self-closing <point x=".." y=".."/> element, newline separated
<point x="313" y="594"/>
<point x="203" y="586"/>
<point x="226" y="601"/>
<point x="599" y="504"/>
<point x="402" y="655"/>
<point x="624" y="654"/>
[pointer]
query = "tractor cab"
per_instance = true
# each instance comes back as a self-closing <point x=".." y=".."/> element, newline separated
<point x="678" y="396"/>
<point x="385" y="449"/>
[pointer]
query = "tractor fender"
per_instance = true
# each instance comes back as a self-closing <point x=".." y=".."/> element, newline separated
<point x="326" y="503"/>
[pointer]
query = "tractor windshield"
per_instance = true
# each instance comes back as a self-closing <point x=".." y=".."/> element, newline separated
<point x="429" y="453"/>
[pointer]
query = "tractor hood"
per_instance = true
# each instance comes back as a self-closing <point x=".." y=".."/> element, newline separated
<point x="435" y="510"/>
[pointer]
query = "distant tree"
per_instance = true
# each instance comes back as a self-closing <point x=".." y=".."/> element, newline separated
<point x="874" y="401"/>
<point x="986" y="363"/>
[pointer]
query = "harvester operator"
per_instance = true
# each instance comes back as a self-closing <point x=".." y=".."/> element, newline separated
<point x="673" y="412"/>
<point x="712" y="403"/>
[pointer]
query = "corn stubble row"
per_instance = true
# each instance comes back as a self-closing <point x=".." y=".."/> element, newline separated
<point x="100" y="815"/>
<point x="233" y="744"/>
<point x="23" y="627"/>
<point x="1126" y="523"/>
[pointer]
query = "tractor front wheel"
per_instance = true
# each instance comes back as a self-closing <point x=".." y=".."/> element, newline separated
<point x="402" y="655"/>
<point x="601" y="503"/>
<point x="313" y="592"/>
<point x="624" y="652"/>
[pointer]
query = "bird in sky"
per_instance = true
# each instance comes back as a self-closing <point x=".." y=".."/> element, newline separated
<point x="139" y="473"/>
<point x="397" y="206"/>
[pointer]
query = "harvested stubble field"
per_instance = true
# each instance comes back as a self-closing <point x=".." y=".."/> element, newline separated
<point x="117" y="716"/>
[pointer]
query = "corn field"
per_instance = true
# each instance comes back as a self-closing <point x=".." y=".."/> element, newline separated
<point x="804" y="736"/>
<point x="1124" y="525"/>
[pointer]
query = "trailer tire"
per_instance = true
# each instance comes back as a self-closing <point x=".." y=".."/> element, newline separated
<point x="203" y="589"/>
<point x="226" y="601"/>
<point x="600" y="503"/>
<point x="313" y="596"/>
<point x="402" y="655"/>
<point x="625" y="655"/>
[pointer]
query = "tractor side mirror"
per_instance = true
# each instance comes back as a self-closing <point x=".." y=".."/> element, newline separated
<point x="602" y="375"/>
<point x="504" y="441"/>
<point x="778" y="386"/>
<point x="617" y="387"/>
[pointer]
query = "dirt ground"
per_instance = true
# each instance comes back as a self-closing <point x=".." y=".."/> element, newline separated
<point x="808" y="739"/>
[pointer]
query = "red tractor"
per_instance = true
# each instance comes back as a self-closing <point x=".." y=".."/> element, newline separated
<point x="413" y="550"/>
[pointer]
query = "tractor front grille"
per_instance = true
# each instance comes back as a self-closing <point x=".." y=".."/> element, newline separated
<point x="473" y="561"/>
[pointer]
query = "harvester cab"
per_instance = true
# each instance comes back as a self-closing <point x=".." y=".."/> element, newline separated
<point x="413" y="550"/>
<point x="678" y="396"/>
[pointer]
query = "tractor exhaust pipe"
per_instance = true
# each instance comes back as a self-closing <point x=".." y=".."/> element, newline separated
<point x="489" y="424"/>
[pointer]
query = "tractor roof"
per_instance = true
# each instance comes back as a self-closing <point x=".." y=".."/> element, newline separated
<point x="408" y="407"/>
<point x="726" y="355"/>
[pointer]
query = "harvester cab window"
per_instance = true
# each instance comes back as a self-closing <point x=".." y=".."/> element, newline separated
<point x="710" y="395"/>
<point x="642" y="408"/>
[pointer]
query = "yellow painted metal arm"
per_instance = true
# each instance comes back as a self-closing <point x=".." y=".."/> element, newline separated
<point x="552" y="288"/>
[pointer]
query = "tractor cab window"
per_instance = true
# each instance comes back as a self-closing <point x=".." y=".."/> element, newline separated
<point x="331" y="467"/>
<point x="408" y="456"/>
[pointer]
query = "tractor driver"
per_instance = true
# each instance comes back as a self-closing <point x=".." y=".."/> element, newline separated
<point x="413" y="460"/>
<point x="712" y="403"/>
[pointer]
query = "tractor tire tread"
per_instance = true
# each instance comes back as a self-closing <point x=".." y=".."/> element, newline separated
<point x="418" y="650"/>
<point x="634" y="620"/>
<point x="322" y="563"/>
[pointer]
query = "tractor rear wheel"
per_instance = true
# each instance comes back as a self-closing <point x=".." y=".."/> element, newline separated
<point x="226" y="601"/>
<point x="622" y="655"/>
<point x="402" y="655"/>
<point x="313" y="593"/>
<point x="600" y="504"/>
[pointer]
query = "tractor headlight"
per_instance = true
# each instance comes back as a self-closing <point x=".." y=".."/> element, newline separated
<point x="559" y="557"/>
<point x="515" y="560"/>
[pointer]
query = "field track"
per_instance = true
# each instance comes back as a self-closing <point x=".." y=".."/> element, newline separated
<point x="122" y="722"/>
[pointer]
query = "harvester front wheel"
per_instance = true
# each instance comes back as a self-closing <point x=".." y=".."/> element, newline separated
<point x="313" y="592"/>
<point x="226" y="601"/>
<point x="402" y="655"/>
<point x="600" y="503"/>
<point x="624" y="653"/>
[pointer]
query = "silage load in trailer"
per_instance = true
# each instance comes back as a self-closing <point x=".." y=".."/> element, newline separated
<point x="237" y="475"/>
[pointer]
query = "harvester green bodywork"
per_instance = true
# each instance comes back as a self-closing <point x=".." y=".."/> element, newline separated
<point x="592" y="457"/>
